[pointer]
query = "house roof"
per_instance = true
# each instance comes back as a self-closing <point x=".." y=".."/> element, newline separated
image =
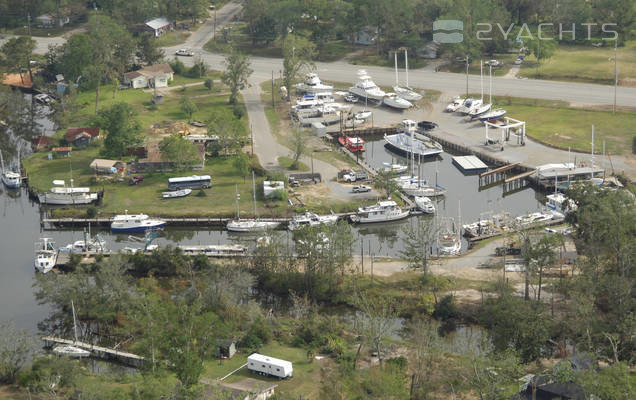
<point x="132" y="74"/>
<point x="73" y="133"/>
<point x="61" y="149"/>
<point x="150" y="71"/>
<point x="158" y="23"/>
<point x="41" y="141"/>
<point x="100" y="163"/>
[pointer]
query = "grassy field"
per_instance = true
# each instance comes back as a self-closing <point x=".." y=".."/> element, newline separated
<point x="474" y="68"/>
<point x="305" y="382"/>
<point x="287" y="162"/>
<point x="586" y="64"/>
<point x="173" y="38"/>
<point x="557" y="124"/>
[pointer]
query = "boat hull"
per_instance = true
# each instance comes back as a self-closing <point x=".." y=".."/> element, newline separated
<point x="407" y="94"/>
<point x="244" y="228"/>
<point x="404" y="148"/>
<point x="56" y="199"/>
<point x="11" y="183"/>
<point x="400" y="105"/>
<point x="128" y="229"/>
<point x="387" y="218"/>
<point x="364" y="95"/>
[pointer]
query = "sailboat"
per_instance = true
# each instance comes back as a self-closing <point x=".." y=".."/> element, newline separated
<point x="449" y="240"/>
<point x="11" y="179"/>
<point x="249" y="225"/>
<point x="70" y="350"/>
<point x="475" y="112"/>
<point x="405" y="92"/>
<point x="490" y="114"/>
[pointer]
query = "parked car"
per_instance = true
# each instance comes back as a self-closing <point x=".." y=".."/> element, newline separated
<point x="494" y="63"/>
<point x="351" y="98"/>
<point x="135" y="180"/>
<point x="184" y="52"/>
<point x="361" y="189"/>
<point x="518" y="61"/>
<point x="426" y="125"/>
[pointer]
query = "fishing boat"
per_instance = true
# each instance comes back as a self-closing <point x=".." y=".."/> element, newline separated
<point x="559" y="204"/>
<point x="383" y="211"/>
<point x="492" y="115"/>
<point x="406" y="141"/>
<point x="425" y="204"/>
<point x="353" y="144"/>
<point x="313" y="85"/>
<point x="395" y="168"/>
<point x="176" y="193"/>
<point x="45" y="255"/>
<point x="366" y="88"/>
<point x="455" y="104"/>
<point x="249" y="225"/>
<point x="478" y="228"/>
<point x="135" y="223"/>
<point x="60" y="194"/>
<point x="88" y="244"/>
<point x="394" y="101"/>
<point x="405" y="92"/>
<point x="311" y="219"/>
<point x="10" y="179"/>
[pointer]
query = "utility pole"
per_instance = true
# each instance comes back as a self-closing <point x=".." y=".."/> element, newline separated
<point x="466" y="59"/>
<point x="273" y="101"/>
<point x="615" y="73"/>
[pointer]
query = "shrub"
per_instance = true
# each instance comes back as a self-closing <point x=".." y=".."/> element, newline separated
<point x="91" y="212"/>
<point x="238" y="111"/>
<point x="279" y="195"/>
<point x="446" y="308"/>
<point x="209" y="84"/>
<point x="177" y="66"/>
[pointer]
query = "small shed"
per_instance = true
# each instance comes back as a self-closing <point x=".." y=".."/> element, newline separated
<point x="102" y="166"/>
<point x="159" y="26"/>
<point x="226" y="348"/>
<point x="62" y="151"/>
<point x="318" y="129"/>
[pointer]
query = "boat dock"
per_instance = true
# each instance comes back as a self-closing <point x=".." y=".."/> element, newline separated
<point x="104" y="353"/>
<point x="105" y="222"/>
<point x="500" y="232"/>
<point x="470" y="164"/>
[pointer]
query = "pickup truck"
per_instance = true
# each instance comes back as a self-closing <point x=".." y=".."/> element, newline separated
<point x="361" y="189"/>
<point x="353" y="176"/>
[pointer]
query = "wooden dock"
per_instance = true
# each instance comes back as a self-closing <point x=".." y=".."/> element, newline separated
<point x="556" y="221"/>
<point x="104" y="353"/>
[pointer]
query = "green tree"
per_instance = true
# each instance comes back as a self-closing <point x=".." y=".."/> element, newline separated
<point x="298" y="54"/>
<point x="541" y="255"/>
<point x="74" y="53"/>
<point x="384" y="181"/>
<point x="237" y="71"/>
<point x="613" y="382"/>
<point x="418" y="243"/>
<point x="16" y="346"/>
<point x="188" y="107"/>
<point x="541" y="49"/>
<point x="242" y="165"/>
<point x="180" y="151"/>
<point x="199" y="69"/>
<point x="375" y="322"/>
<point x="120" y="123"/>
<point x="228" y="130"/>
<point x="209" y="84"/>
<point x="18" y="53"/>
<point x="298" y="147"/>
<point x="148" y="51"/>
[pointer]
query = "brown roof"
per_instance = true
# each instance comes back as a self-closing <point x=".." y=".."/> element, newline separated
<point x="132" y="74"/>
<point x="73" y="133"/>
<point x="62" y="149"/>
<point x="40" y="142"/>
<point x="156" y="69"/>
<point x="20" y="80"/>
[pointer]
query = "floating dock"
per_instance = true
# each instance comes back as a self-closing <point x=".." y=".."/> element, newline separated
<point x="470" y="164"/>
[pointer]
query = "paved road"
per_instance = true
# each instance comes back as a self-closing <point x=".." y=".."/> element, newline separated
<point x="205" y="32"/>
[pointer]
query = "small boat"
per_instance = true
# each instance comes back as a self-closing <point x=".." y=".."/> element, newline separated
<point x="60" y="194"/>
<point x="455" y="104"/>
<point x="533" y="218"/>
<point x="367" y="89"/>
<point x="176" y="193"/>
<point x="313" y="84"/>
<point x="419" y="189"/>
<point x="449" y="242"/>
<point x="475" y="113"/>
<point x="250" y="225"/>
<point x="90" y="245"/>
<point x="394" y="101"/>
<point x="559" y="204"/>
<point x="10" y="179"/>
<point x="71" y="351"/>
<point x="492" y="115"/>
<point x="363" y="115"/>
<point x="395" y="168"/>
<point x="383" y="211"/>
<point x="45" y="255"/>
<point x="469" y="105"/>
<point x="425" y="204"/>
<point x="311" y="219"/>
<point x="135" y="223"/>
<point x="478" y="228"/>
<point x="353" y="144"/>
<point x="407" y="141"/>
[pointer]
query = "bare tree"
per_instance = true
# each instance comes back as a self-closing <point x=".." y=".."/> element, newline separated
<point x="375" y="322"/>
<point x="418" y="242"/>
<point x="16" y="346"/>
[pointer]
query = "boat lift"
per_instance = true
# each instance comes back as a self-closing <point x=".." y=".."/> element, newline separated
<point x="510" y="126"/>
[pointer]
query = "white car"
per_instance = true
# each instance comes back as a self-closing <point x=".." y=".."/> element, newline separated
<point x="184" y="52"/>
<point x="493" y="63"/>
<point x="351" y="99"/>
<point x="361" y="189"/>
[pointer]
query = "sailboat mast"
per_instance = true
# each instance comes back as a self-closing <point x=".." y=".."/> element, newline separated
<point x="254" y="193"/>
<point x="592" y="145"/>
<point x="490" y="101"/>
<point x="74" y="321"/>
<point x="396" y="70"/>
<point x="236" y="196"/>
<point x="406" y="66"/>
<point x="481" y="78"/>
<point x="2" y="162"/>
<point x="459" y="220"/>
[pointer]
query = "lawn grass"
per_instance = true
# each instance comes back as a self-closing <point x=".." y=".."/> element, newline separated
<point x="287" y="162"/>
<point x="386" y="61"/>
<point x="172" y="38"/>
<point x="146" y="196"/>
<point x="555" y="123"/>
<point x="585" y="64"/>
<point x="475" y="68"/>
<point x="305" y="381"/>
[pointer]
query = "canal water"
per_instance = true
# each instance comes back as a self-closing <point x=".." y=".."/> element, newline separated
<point x="20" y="229"/>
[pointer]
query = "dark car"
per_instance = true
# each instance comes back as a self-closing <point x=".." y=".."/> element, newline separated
<point x="427" y="125"/>
<point x="136" y="180"/>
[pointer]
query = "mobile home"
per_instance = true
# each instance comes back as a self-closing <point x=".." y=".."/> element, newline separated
<point x="269" y="366"/>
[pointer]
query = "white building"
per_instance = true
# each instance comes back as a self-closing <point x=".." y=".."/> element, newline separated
<point x="159" y="26"/>
<point x="266" y="365"/>
<point x="157" y="75"/>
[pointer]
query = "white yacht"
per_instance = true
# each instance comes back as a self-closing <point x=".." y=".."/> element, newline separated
<point x="425" y="204"/>
<point x="312" y="84"/>
<point x="475" y="113"/>
<point x="311" y="219"/>
<point x="89" y="244"/>
<point x="60" y="194"/>
<point x="395" y="168"/>
<point x="394" y="101"/>
<point x="469" y="105"/>
<point x="10" y="179"/>
<point x="135" y="223"/>
<point x="533" y="218"/>
<point x="407" y="141"/>
<point x="455" y="104"/>
<point x="71" y="351"/>
<point x="383" y="211"/>
<point x="45" y="255"/>
<point x="366" y="88"/>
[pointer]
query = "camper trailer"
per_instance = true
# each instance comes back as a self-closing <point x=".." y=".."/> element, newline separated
<point x="265" y="365"/>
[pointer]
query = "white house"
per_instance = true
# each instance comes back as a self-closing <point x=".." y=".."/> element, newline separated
<point x="157" y="75"/>
<point x="50" y="20"/>
<point x="159" y="26"/>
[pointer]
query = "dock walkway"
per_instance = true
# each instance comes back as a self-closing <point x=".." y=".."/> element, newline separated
<point x="98" y="351"/>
